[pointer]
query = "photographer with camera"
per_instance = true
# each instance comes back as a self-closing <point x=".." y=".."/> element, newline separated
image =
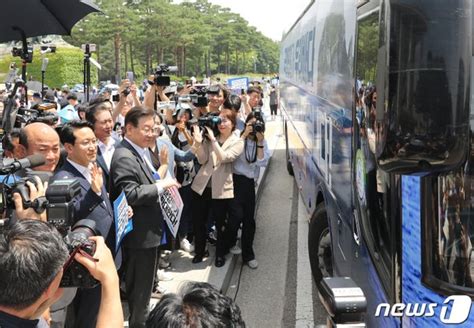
<point x="252" y="99"/>
<point x="216" y="95"/>
<point x="37" y="251"/>
<point x="246" y="170"/>
<point x="213" y="184"/>
<point x="126" y="99"/>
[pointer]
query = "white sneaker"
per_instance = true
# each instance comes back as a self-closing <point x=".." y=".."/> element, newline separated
<point x="235" y="250"/>
<point x="253" y="264"/>
<point x="186" y="245"/>
<point x="159" y="291"/>
<point x="164" y="276"/>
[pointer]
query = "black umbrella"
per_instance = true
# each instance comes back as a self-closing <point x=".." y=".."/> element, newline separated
<point x="41" y="17"/>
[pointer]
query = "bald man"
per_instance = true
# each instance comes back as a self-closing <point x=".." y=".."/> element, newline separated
<point x="40" y="138"/>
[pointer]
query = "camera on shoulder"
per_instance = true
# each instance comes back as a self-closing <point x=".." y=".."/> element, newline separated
<point x="160" y="78"/>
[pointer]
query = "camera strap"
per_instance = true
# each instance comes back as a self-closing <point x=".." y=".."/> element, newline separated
<point x="250" y="151"/>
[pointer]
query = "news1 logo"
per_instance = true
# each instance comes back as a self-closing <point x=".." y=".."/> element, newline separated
<point x="460" y="309"/>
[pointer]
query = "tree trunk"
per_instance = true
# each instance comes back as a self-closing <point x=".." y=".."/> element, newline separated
<point x="125" y="57"/>
<point x="183" y="61"/>
<point x="219" y="60"/>
<point x="132" y="66"/>
<point x="148" y="60"/>
<point x="117" y="45"/>
<point x="227" y="61"/>
<point x="236" y="61"/>
<point x="162" y="56"/>
<point x="209" y="73"/>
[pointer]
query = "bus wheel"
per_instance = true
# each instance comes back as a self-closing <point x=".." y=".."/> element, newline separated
<point x="319" y="245"/>
<point x="289" y="167"/>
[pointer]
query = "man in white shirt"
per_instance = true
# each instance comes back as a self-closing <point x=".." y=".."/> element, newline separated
<point x="99" y="114"/>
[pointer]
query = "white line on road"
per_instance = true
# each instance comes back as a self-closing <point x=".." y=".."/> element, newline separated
<point x="304" y="288"/>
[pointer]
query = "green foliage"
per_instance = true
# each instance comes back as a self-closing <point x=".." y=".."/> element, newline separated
<point x="64" y="67"/>
<point x="199" y="37"/>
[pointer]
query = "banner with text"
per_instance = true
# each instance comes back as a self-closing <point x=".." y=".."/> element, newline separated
<point x="123" y="224"/>
<point x="172" y="208"/>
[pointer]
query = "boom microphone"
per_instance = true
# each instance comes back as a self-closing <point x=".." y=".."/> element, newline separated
<point x="18" y="164"/>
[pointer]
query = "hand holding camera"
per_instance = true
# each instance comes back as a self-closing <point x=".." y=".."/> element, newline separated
<point x="36" y="190"/>
<point x="103" y="269"/>
<point x="125" y="87"/>
<point x="210" y="134"/>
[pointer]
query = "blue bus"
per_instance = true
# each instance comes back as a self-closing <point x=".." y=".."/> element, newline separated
<point x="376" y="99"/>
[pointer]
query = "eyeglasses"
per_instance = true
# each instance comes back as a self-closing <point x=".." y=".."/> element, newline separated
<point x="147" y="130"/>
<point x="87" y="143"/>
<point x="224" y="121"/>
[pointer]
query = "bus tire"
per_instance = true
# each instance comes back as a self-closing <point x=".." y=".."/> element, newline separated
<point x="319" y="245"/>
<point x="289" y="167"/>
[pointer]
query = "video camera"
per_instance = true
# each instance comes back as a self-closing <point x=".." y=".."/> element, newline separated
<point x="39" y="113"/>
<point x="26" y="56"/>
<point x="210" y="120"/>
<point x="259" y="124"/>
<point x="161" y="79"/>
<point x="59" y="204"/>
<point x="199" y="96"/>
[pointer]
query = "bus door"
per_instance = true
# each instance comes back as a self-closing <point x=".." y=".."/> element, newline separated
<point x="375" y="197"/>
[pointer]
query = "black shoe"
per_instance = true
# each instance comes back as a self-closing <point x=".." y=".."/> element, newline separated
<point x="199" y="258"/>
<point x="220" y="261"/>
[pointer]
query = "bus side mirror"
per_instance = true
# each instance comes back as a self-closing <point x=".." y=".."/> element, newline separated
<point x="344" y="302"/>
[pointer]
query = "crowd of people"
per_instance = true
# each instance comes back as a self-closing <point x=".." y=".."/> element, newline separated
<point x="211" y="153"/>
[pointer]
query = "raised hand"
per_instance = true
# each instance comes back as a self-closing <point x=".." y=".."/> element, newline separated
<point x="97" y="179"/>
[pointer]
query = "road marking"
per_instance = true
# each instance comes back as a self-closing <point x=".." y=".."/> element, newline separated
<point x="304" y="287"/>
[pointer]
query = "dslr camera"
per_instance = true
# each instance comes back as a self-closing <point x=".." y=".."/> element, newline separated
<point x="160" y="78"/>
<point x="77" y="241"/>
<point x="259" y="124"/>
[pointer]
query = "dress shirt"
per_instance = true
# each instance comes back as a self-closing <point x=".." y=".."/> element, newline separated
<point x="107" y="151"/>
<point x="251" y="170"/>
<point x="144" y="153"/>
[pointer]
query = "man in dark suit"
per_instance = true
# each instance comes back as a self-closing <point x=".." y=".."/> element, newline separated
<point x="133" y="173"/>
<point x="99" y="114"/>
<point x="93" y="203"/>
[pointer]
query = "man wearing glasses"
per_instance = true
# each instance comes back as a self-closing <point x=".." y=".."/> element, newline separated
<point x="80" y="144"/>
<point x="132" y="172"/>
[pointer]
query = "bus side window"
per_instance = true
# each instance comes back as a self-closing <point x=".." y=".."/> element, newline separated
<point x="372" y="184"/>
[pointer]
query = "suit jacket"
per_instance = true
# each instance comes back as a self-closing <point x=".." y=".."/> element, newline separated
<point x="130" y="174"/>
<point x="89" y="205"/>
<point x="105" y="169"/>
<point x="220" y="169"/>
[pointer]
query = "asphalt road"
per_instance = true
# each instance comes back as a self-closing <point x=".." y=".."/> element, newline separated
<point x="281" y="292"/>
